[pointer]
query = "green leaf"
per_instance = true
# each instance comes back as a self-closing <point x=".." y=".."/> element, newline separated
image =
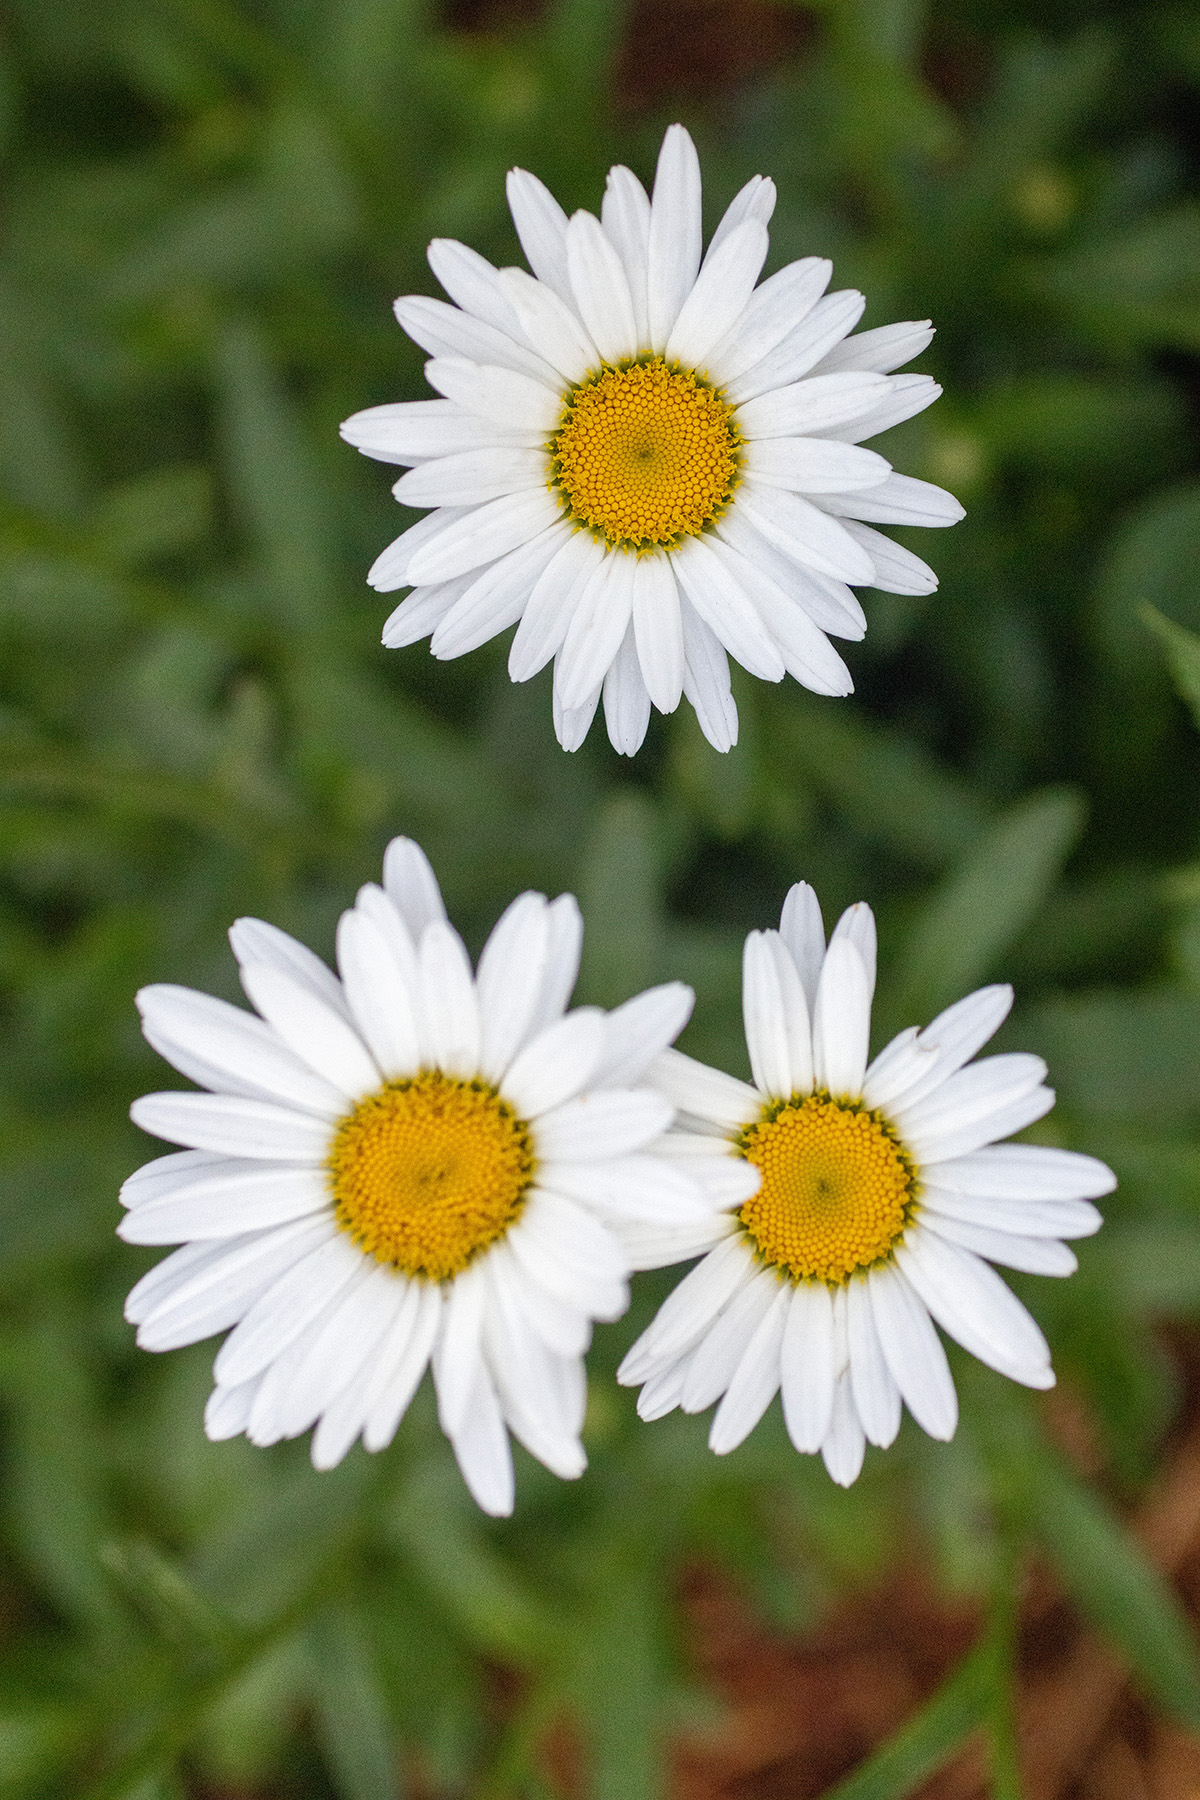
<point x="352" y="1719"/>
<point x="1183" y="654"/>
<point x="929" y="1738"/>
<point x="965" y="928"/>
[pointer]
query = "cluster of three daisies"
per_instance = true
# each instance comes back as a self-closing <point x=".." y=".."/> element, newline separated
<point x="648" y="463"/>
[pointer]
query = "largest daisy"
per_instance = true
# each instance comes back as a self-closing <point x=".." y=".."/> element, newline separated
<point x="646" y="459"/>
<point x="411" y="1163"/>
<point x="884" y="1197"/>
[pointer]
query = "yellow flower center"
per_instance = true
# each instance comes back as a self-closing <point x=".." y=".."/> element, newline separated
<point x="646" y="455"/>
<point x="429" y="1171"/>
<point x="837" y="1189"/>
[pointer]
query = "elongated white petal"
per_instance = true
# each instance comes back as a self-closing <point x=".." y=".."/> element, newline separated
<point x="482" y="1450"/>
<point x="457" y="1352"/>
<point x="557" y="1064"/>
<point x="899" y="1069"/>
<point x="673" y="248"/>
<point x="1025" y="1217"/>
<point x="562" y="965"/>
<point x="402" y="1362"/>
<point x="497" y="598"/>
<point x="225" y="1203"/>
<point x="411" y="886"/>
<point x="719" y="295"/>
<point x="382" y="994"/>
<point x="857" y="926"/>
<point x="765" y="1019"/>
<point x="511" y="969"/>
<point x="900" y="500"/>
<point x="705" y="1093"/>
<point x="755" y="1382"/>
<point x="842" y="1450"/>
<point x="601" y="289"/>
<point x="448" y="1002"/>
<point x="776" y="307"/>
<point x="807" y="1366"/>
<point x="972" y="1304"/>
<point x="610" y="1122"/>
<point x="447" y="331"/>
<point x="806" y="653"/>
<point x="803" y="931"/>
<point x="885" y="348"/>
<point x="254" y="941"/>
<point x="594" y="634"/>
<point x="237" y="1127"/>
<point x="485" y="533"/>
<point x="830" y="604"/>
<point x="231" y="1051"/>
<point x="897" y="569"/>
<point x="842" y="1021"/>
<point x="626" y="700"/>
<point x="910" y="395"/>
<point x="706" y="681"/>
<point x="542" y="228"/>
<point x="640" y="1030"/>
<point x="805" y="465"/>
<point x="804" y="407"/>
<point x="647" y="1188"/>
<point x="313" y="1031"/>
<point x="501" y="395"/>
<point x="552" y="604"/>
<point x="1035" y="1255"/>
<point x="722" y="604"/>
<point x="412" y="431"/>
<point x="876" y="1396"/>
<point x="282" y="1312"/>
<point x="1027" y="1171"/>
<point x="473" y="476"/>
<point x="658" y="630"/>
<point x="473" y="283"/>
<point x="713" y="1363"/>
<point x="756" y="200"/>
<point x="554" y="326"/>
<point x="206" y="1287"/>
<point x="796" y="355"/>
<point x="421" y="612"/>
<point x="625" y="216"/>
<point x="914" y="1352"/>
<point x="797" y="527"/>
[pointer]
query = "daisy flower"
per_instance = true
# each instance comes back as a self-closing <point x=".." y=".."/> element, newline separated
<point x="646" y="459"/>
<point x="883" y="1197"/>
<point x="410" y="1165"/>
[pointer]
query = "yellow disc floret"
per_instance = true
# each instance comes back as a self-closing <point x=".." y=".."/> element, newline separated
<point x="429" y="1171"/>
<point x="646" y="455"/>
<point x="837" y="1188"/>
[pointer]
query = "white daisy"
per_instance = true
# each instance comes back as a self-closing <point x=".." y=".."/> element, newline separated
<point x="411" y="1164"/>
<point x="884" y="1196"/>
<point x="647" y="459"/>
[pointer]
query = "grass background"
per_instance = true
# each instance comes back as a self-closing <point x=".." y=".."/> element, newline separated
<point x="208" y="206"/>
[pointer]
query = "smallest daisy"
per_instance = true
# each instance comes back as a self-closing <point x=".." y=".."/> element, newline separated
<point x="880" y="1198"/>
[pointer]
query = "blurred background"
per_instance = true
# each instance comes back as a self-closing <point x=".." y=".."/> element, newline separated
<point x="207" y="209"/>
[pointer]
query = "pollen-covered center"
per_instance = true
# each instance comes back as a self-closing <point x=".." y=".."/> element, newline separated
<point x="427" y="1172"/>
<point x="837" y="1189"/>
<point x="646" y="454"/>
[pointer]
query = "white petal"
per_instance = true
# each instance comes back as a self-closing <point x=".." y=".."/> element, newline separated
<point x="640" y="1030"/>
<point x="656" y="1246"/>
<point x="448" y="1002"/>
<point x="471" y="280"/>
<point x="233" y="1126"/>
<point x="601" y="288"/>
<point x="803" y="931"/>
<point x="552" y="604"/>
<point x="876" y="1396"/>
<point x="315" y="1032"/>
<point x="706" y="681"/>
<point x="626" y="701"/>
<point x="756" y="200"/>
<point x="556" y="1064"/>
<point x="802" y="349"/>
<point x="348" y="1413"/>
<point x="723" y="605"/>
<point x="661" y="1393"/>
<point x="411" y="431"/>
<point x="221" y="1204"/>
<point x="965" y="1106"/>
<point x="1026" y="1171"/>
<point x="811" y="405"/>
<point x="914" y="1352"/>
<point x="457" y="1354"/>
<point x="897" y="569"/>
<point x="806" y="1363"/>
<point x="473" y="476"/>
<point x="636" y="1187"/>
<point x="522" y="1369"/>
<point x="705" y="1093"/>
<point x="572" y="723"/>
<point x="765" y="1018"/>
<point x="562" y="966"/>
<point x="170" y="1174"/>
<point x="411" y="885"/>
<point x="857" y="926"/>
<point x="673" y="247"/>
<point x="625" y="216"/>
<point x="402" y="1362"/>
<point x="688" y="1311"/>
<point x="500" y="395"/>
<point x="886" y="348"/>
<point x="553" y="325"/>
<point x="390" y="570"/>
<point x="963" y="1029"/>
<point x="805" y="651"/>
<point x="808" y="465"/>
<point x="1035" y="1255"/>
<point x="900" y="1068"/>
<point x="482" y="1449"/>
<point x="910" y="395"/>
<point x="755" y="1382"/>
<point x="254" y="941"/>
<point x="594" y="634"/>
<point x="774" y="309"/>
<point x="542" y="228"/>
<point x="970" y="1302"/>
<point x="287" y="1306"/>
<point x="830" y="604"/>
<point x="610" y="1122"/>
<point x="381" y="994"/>
<point x="714" y="1361"/>
<point x="227" y="1411"/>
<point x="422" y="612"/>
<point x="571" y="1255"/>
<point x="485" y="533"/>
<point x="349" y="1334"/>
<point x="446" y="331"/>
<point x="205" y="1288"/>
<point x="658" y="630"/>
<point x="1026" y="1217"/>
<point x="497" y="598"/>
<point x="842" y="1450"/>
<point x="511" y="969"/>
<point x="900" y="500"/>
<point x="797" y="527"/>
<point x="719" y="295"/>
<point x="229" y="1050"/>
<point x="842" y="1021"/>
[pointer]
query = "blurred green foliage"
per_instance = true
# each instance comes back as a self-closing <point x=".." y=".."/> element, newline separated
<point x="209" y="206"/>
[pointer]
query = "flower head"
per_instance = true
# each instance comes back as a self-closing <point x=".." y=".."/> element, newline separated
<point x="647" y="458"/>
<point x="413" y="1163"/>
<point x="875" y="1196"/>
